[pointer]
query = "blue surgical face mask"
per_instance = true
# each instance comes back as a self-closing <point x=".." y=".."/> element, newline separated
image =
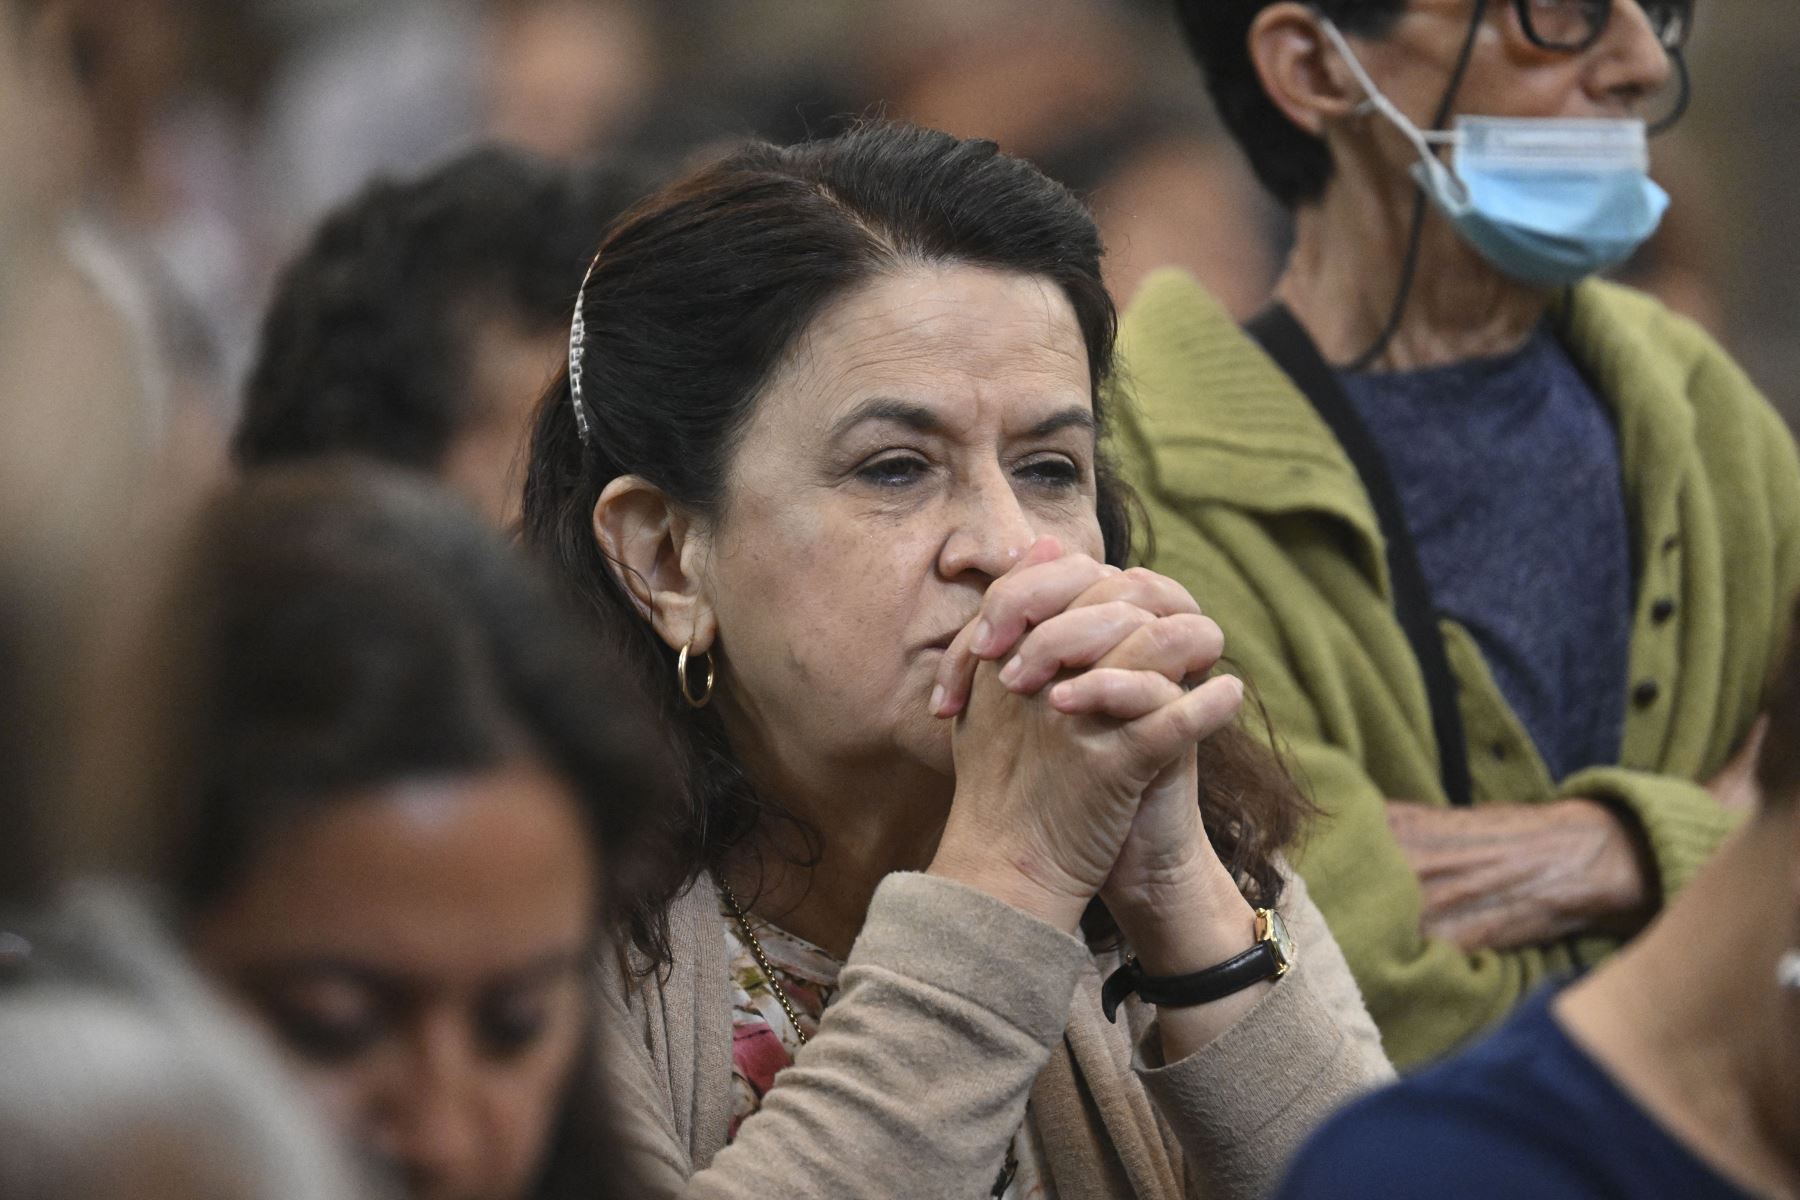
<point x="1547" y="200"/>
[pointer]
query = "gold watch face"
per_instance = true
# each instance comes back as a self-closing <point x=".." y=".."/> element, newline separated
<point x="1273" y="931"/>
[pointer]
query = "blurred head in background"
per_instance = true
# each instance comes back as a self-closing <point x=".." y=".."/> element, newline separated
<point x="425" y="317"/>
<point x="1390" y="129"/>
<point x="394" y="776"/>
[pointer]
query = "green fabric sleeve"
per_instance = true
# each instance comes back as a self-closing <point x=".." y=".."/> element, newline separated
<point x="1680" y="820"/>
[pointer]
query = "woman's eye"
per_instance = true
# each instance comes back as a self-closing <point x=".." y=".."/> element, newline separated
<point x="509" y="1025"/>
<point x="1053" y="472"/>
<point x="321" y="1038"/>
<point x="894" y="471"/>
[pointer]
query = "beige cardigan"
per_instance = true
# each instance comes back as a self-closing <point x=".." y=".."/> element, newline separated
<point x="955" y="1012"/>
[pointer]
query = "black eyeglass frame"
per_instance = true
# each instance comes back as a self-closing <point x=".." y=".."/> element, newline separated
<point x="1676" y="14"/>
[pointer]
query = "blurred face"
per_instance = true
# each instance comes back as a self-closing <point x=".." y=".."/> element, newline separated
<point x="417" y="951"/>
<point x="510" y="365"/>
<point x="1508" y="75"/>
<point x="923" y="432"/>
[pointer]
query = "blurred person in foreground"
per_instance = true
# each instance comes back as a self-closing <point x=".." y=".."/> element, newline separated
<point x="125" y="1079"/>
<point x="1672" y="1071"/>
<point x="828" y="454"/>
<point x="121" y="1079"/>
<point x="399" y="784"/>
<point x="425" y="318"/>
<point x="1506" y="550"/>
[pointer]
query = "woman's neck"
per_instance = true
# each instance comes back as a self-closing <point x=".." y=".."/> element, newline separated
<point x="1688" y="1018"/>
<point x="814" y="876"/>
<point x="1345" y="272"/>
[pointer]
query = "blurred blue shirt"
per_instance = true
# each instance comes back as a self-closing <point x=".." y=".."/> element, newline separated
<point x="1523" y="1115"/>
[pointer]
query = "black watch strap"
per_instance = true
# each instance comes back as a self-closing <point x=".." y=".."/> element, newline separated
<point x="1270" y="958"/>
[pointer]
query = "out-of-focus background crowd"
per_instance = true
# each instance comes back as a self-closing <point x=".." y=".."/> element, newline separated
<point x="211" y="134"/>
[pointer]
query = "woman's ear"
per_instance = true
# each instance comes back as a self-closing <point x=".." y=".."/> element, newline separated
<point x="656" y="552"/>
<point x="1299" y="68"/>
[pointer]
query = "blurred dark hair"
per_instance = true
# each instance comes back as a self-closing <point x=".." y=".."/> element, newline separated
<point x="336" y="627"/>
<point x="1778" y="763"/>
<point x="342" y="628"/>
<point x="362" y="345"/>
<point x="697" y="295"/>
<point x="1293" y="164"/>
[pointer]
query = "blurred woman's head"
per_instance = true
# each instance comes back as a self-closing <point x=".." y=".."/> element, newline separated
<point x="831" y="392"/>
<point x="1298" y="114"/>
<point x="401" y="771"/>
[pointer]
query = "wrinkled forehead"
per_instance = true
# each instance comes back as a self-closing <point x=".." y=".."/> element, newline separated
<point x="984" y="347"/>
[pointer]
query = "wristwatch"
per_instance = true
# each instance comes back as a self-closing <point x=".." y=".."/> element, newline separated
<point x="1270" y="958"/>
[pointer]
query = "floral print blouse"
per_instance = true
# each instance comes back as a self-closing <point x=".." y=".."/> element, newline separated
<point x="763" y="1040"/>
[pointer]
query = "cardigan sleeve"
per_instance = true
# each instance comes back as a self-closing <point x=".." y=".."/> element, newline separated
<point x="917" y="1078"/>
<point x="1241" y="1105"/>
<point x="1681" y="823"/>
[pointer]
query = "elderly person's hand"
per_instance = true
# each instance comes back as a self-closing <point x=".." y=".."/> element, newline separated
<point x="1504" y="876"/>
<point x="1116" y="654"/>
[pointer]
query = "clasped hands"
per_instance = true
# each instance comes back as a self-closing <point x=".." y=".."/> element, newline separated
<point x="1079" y="694"/>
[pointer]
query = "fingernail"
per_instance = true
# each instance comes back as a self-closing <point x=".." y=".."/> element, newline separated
<point x="1011" y="670"/>
<point x="1061" y="693"/>
<point x="937" y="700"/>
<point x="984" y="634"/>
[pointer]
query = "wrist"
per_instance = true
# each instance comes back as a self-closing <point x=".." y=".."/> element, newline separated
<point x="1621" y="870"/>
<point x="987" y="867"/>
<point x="1188" y="922"/>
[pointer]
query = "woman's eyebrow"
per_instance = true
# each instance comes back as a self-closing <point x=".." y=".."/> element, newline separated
<point x="1073" y="417"/>
<point x="916" y="417"/>
<point x="921" y="419"/>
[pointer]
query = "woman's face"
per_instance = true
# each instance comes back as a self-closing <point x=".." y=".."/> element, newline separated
<point x="1509" y="76"/>
<point x="923" y="432"/>
<point x="417" y="951"/>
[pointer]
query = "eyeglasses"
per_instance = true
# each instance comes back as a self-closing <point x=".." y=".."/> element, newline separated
<point x="1574" y="25"/>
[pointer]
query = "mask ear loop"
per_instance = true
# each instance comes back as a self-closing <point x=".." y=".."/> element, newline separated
<point x="1422" y="140"/>
<point x="577" y="335"/>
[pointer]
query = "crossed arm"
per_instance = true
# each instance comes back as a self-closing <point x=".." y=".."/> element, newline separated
<point x="1504" y="876"/>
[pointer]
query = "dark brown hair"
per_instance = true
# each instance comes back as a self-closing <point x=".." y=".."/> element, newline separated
<point x="694" y="299"/>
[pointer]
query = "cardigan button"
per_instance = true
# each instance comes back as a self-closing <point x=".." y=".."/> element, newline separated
<point x="1646" y="693"/>
<point x="1662" y="610"/>
<point x="1498" y="750"/>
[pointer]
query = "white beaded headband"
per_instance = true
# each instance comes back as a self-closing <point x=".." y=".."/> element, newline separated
<point x="578" y="332"/>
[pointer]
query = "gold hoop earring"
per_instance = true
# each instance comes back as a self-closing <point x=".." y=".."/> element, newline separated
<point x="681" y="678"/>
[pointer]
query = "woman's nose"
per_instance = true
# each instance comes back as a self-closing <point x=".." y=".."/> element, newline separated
<point x="431" y="1123"/>
<point x="989" y="530"/>
<point x="1633" y="64"/>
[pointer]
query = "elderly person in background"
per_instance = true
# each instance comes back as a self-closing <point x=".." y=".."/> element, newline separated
<point x="829" y="462"/>
<point x="1671" y="1073"/>
<point x="1505" y="550"/>
<point x="424" y="319"/>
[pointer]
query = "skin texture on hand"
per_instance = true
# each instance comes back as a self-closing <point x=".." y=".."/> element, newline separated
<point x="1052" y="780"/>
<point x="1505" y="876"/>
<point x="1125" y="646"/>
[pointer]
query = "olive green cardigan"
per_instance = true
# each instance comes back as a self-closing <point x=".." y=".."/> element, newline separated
<point x="1255" y="507"/>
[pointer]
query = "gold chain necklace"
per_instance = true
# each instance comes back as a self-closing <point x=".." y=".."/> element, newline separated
<point x="762" y="960"/>
<point x="1007" y="1171"/>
